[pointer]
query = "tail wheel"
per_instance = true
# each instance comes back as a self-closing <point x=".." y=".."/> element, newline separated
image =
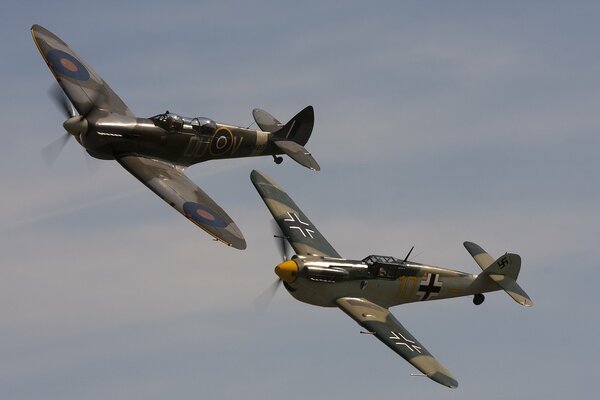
<point x="478" y="299"/>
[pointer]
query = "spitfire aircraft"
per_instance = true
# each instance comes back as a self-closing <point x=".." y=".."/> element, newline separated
<point x="366" y="289"/>
<point x="156" y="150"/>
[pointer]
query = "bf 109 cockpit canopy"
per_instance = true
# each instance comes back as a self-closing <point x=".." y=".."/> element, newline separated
<point x="375" y="259"/>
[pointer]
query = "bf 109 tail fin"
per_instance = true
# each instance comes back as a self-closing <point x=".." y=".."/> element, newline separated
<point x="504" y="271"/>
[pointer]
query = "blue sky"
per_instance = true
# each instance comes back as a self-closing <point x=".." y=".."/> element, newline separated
<point x="435" y="123"/>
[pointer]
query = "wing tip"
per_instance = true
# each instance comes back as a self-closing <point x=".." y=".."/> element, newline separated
<point x="259" y="178"/>
<point x="444" y="379"/>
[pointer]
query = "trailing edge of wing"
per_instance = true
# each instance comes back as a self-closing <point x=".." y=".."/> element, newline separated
<point x="382" y="324"/>
<point x="84" y="87"/>
<point x="295" y="225"/>
<point x="169" y="183"/>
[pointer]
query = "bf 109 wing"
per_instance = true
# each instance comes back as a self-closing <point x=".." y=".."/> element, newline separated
<point x="297" y="228"/>
<point x="168" y="181"/>
<point x="381" y="323"/>
<point x="84" y="87"/>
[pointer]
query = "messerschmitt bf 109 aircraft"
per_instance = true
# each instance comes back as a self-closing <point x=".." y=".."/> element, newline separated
<point x="156" y="150"/>
<point x="366" y="289"/>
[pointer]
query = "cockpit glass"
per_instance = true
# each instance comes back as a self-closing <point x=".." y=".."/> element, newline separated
<point x="174" y="122"/>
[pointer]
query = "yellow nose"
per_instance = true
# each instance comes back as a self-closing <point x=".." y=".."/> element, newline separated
<point x="287" y="271"/>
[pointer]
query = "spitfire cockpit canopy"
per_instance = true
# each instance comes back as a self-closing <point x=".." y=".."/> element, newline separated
<point x="176" y="123"/>
<point x="168" y="121"/>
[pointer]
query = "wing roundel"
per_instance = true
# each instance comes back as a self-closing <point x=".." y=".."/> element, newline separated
<point x="84" y="87"/>
<point x="168" y="181"/>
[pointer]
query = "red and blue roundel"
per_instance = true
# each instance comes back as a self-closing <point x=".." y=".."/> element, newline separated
<point x="67" y="65"/>
<point x="203" y="215"/>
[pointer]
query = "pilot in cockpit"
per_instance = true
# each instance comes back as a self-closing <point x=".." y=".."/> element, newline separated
<point x="173" y="122"/>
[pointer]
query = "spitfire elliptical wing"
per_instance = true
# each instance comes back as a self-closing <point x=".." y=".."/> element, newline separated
<point x="304" y="238"/>
<point x="84" y="87"/>
<point x="381" y="323"/>
<point x="168" y="181"/>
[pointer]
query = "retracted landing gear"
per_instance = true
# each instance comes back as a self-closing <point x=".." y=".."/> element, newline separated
<point x="478" y="299"/>
<point x="278" y="159"/>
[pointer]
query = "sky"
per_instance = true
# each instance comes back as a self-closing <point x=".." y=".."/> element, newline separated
<point x="435" y="123"/>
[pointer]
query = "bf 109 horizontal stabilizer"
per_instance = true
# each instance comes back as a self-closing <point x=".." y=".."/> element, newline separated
<point x="504" y="271"/>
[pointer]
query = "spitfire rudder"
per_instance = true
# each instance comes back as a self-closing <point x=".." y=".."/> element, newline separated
<point x="298" y="128"/>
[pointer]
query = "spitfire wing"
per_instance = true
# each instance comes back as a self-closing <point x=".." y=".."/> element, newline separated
<point x="84" y="87"/>
<point x="295" y="225"/>
<point x="381" y="323"/>
<point x="169" y="183"/>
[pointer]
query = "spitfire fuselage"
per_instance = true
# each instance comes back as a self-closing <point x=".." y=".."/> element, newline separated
<point x="321" y="281"/>
<point x="110" y="135"/>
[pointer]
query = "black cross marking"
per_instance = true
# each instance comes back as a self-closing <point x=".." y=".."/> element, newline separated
<point x="293" y="217"/>
<point x="428" y="286"/>
<point x="410" y="344"/>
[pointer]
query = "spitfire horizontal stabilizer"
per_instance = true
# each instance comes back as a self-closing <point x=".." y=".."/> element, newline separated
<point x="266" y="121"/>
<point x="504" y="271"/>
<point x="298" y="154"/>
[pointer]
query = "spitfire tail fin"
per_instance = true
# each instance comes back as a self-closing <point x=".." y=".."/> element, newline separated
<point x="299" y="128"/>
<point x="291" y="137"/>
<point x="504" y="271"/>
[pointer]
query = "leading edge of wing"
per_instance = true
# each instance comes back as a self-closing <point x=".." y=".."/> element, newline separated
<point x="84" y="87"/>
<point x="303" y="236"/>
<point x="169" y="183"/>
<point x="382" y="324"/>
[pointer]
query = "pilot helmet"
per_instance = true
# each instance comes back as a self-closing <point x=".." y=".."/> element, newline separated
<point x="174" y="122"/>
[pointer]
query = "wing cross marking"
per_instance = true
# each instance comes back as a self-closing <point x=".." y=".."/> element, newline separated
<point x="293" y="218"/>
<point x="402" y="341"/>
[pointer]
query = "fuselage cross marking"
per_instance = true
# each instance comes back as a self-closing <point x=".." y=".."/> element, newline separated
<point x="430" y="286"/>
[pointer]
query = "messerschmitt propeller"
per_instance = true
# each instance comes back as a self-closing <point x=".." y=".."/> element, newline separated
<point x="261" y="303"/>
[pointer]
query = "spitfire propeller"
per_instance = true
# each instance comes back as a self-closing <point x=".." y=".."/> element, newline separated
<point x="75" y="125"/>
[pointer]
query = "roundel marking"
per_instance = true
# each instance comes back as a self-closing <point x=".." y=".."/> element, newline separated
<point x="221" y="142"/>
<point x="203" y="215"/>
<point x="67" y="65"/>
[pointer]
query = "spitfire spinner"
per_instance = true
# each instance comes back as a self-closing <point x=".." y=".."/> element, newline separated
<point x="366" y="289"/>
<point x="156" y="150"/>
